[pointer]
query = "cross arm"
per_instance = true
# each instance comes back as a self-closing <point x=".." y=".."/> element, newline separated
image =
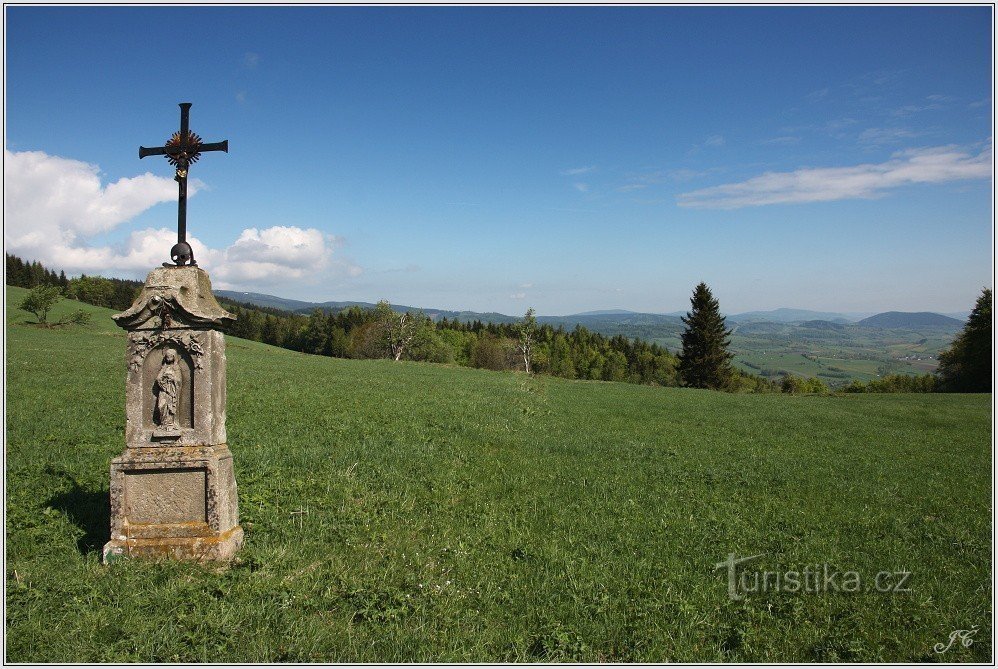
<point x="217" y="146"/>
<point x="155" y="151"/>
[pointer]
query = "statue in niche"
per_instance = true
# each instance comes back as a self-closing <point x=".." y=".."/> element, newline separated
<point x="167" y="389"/>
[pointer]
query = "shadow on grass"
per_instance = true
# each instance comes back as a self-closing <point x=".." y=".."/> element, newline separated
<point x="90" y="510"/>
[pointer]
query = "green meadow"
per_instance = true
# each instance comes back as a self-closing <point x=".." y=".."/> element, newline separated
<point x="417" y="512"/>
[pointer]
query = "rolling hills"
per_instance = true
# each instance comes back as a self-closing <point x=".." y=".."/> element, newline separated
<point x="827" y="345"/>
<point x="899" y="319"/>
<point x="409" y="512"/>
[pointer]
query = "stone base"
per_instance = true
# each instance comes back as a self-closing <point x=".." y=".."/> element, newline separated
<point x="174" y="501"/>
<point x="221" y="548"/>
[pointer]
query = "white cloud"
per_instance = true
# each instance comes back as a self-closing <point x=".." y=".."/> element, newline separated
<point x="578" y="170"/>
<point x="56" y="202"/>
<point x="639" y="181"/>
<point x="526" y="285"/>
<point x="908" y="110"/>
<point x="711" y="142"/>
<point x="581" y="187"/>
<point x="782" y="140"/>
<point x="916" y="166"/>
<point x="518" y="296"/>
<point x="251" y="59"/>
<point x="878" y="136"/>
<point x="815" y="96"/>
<point x="54" y="206"/>
<point x="279" y="252"/>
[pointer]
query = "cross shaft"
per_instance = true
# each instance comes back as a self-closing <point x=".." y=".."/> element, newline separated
<point x="182" y="150"/>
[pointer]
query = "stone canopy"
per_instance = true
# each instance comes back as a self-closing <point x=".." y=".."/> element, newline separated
<point x="172" y="294"/>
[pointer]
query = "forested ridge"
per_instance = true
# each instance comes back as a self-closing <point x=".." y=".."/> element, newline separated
<point x="362" y="333"/>
<point x="576" y="353"/>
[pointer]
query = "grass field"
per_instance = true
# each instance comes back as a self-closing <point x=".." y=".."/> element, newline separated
<point x="415" y="512"/>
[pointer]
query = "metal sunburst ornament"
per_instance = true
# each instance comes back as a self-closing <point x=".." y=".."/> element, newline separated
<point x="182" y="154"/>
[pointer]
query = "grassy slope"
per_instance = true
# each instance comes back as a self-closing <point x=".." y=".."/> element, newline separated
<point x="420" y="512"/>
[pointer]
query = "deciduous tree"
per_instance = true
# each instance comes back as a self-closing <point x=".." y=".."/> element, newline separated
<point x="398" y="330"/>
<point x="40" y="301"/>
<point x="527" y="331"/>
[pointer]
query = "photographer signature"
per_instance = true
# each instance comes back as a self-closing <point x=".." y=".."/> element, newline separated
<point x="963" y="635"/>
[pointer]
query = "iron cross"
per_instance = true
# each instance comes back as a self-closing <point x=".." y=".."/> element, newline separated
<point x="183" y="150"/>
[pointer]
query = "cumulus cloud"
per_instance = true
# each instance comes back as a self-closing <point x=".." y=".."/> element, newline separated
<point x="54" y="207"/>
<point x="52" y="200"/>
<point x="278" y="252"/>
<point x="914" y="166"/>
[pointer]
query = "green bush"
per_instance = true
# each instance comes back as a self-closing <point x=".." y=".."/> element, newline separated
<point x="896" y="383"/>
<point x="797" y="385"/>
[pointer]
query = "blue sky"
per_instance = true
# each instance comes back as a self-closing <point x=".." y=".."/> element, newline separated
<point x="492" y="159"/>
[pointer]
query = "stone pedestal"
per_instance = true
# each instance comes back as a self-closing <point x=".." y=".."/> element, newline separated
<point x="173" y="490"/>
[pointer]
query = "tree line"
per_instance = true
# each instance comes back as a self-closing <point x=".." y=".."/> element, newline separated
<point x="96" y="290"/>
<point x="379" y="333"/>
<point x="703" y="362"/>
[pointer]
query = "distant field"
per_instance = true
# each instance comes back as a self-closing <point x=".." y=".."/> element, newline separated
<point x="415" y="512"/>
<point x="836" y="357"/>
<point x="833" y="371"/>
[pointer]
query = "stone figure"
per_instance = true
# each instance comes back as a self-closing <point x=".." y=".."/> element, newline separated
<point x="167" y="390"/>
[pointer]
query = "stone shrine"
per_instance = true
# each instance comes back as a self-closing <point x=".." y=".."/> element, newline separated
<point x="173" y="490"/>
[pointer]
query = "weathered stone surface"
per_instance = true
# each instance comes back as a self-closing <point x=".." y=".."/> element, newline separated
<point x="201" y="401"/>
<point x="173" y="490"/>
<point x="185" y="293"/>
<point x="214" y="548"/>
<point x="165" y="496"/>
<point x="162" y="496"/>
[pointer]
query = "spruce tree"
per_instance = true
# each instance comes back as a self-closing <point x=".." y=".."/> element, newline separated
<point x="705" y="361"/>
<point x="966" y="366"/>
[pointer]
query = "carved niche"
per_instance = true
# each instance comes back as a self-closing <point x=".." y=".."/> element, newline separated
<point x="168" y="389"/>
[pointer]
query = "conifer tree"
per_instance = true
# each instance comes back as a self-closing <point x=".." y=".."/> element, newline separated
<point x="966" y="366"/>
<point x="705" y="361"/>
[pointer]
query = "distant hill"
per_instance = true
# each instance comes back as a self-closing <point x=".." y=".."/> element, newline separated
<point x="611" y="322"/>
<point x="606" y="312"/>
<point x="823" y="325"/>
<point x="904" y="319"/>
<point x="261" y="300"/>
<point x="332" y="306"/>
<point x="788" y="316"/>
